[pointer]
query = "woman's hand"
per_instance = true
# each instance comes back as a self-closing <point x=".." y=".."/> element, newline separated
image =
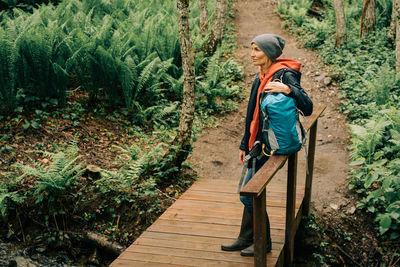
<point x="277" y="87"/>
<point x="242" y="154"/>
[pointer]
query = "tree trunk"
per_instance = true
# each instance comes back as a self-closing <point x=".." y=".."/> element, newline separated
<point x="203" y="17"/>
<point x="217" y="32"/>
<point x="221" y="9"/>
<point x="340" y="22"/>
<point x="392" y="27"/>
<point x="397" y="22"/>
<point x="367" y="17"/>
<point x="181" y="145"/>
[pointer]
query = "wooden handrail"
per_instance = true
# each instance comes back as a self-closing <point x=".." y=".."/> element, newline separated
<point x="256" y="188"/>
<point x="264" y="175"/>
<point x="312" y="119"/>
<point x="260" y="180"/>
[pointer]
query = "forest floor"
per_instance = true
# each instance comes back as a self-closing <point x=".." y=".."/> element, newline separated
<point x="345" y="234"/>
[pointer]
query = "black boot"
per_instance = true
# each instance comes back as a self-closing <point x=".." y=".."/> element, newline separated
<point x="249" y="251"/>
<point x="245" y="238"/>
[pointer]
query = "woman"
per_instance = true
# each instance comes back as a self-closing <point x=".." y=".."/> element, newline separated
<point x="265" y="49"/>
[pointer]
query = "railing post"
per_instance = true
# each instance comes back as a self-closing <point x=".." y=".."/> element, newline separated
<point x="309" y="175"/>
<point x="260" y="230"/>
<point x="290" y="208"/>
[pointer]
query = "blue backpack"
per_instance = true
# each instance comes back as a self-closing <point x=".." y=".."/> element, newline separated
<point x="282" y="132"/>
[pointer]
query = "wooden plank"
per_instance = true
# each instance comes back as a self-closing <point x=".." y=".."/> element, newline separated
<point x="227" y="198"/>
<point x="275" y="220"/>
<point x="272" y="211"/>
<point x="310" y="166"/>
<point x="204" y="205"/>
<point x="199" y="201"/>
<point x="136" y="263"/>
<point x="310" y="120"/>
<point x="185" y="238"/>
<point x="196" y="254"/>
<point x="208" y="241"/>
<point x="189" y="244"/>
<point x="144" y="257"/>
<point x="205" y="230"/>
<point x="220" y="200"/>
<point x="210" y="196"/>
<point x="188" y="253"/>
<point x="274" y="187"/>
<point x="290" y="208"/>
<point x="230" y="187"/>
<point x="260" y="230"/>
<point x="275" y="224"/>
<point x="260" y="180"/>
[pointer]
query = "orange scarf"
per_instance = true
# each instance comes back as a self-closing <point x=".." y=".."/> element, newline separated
<point x="265" y="78"/>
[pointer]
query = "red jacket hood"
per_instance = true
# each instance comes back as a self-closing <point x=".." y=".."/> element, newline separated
<point x="283" y="64"/>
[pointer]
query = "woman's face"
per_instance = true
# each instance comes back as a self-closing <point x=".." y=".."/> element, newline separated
<point x="258" y="57"/>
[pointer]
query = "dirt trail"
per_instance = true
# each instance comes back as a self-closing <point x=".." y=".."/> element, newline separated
<point x="216" y="151"/>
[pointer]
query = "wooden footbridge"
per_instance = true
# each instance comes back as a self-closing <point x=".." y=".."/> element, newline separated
<point x="191" y="231"/>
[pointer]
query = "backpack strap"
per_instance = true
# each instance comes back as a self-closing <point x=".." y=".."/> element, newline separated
<point x="280" y="72"/>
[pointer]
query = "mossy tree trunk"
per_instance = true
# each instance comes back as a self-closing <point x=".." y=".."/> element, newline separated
<point x="367" y="17"/>
<point x="181" y="145"/>
<point x="217" y="32"/>
<point x="392" y="27"/>
<point x="340" y="22"/>
<point x="203" y="17"/>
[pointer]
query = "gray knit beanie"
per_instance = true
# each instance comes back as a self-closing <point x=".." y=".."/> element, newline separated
<point x="271" y="44"/>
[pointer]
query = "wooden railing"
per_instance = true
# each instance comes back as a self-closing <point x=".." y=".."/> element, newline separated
<point x="256" y="188"/>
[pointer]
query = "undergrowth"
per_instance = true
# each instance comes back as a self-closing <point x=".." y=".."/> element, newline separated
<point x="115" y="62"/>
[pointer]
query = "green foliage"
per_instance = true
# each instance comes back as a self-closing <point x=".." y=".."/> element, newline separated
<point x="27" y="5"/>
<point x="376" y="149"/>
<point x="136" y="164"/>
<point x="122" y="53"/>
<point x="53" y="181"/>
<point x="295" y="10"/>
<point x="384" y="12"/>
<point x="368" y="139"/>
<point x="6" y="197"/>
<point x="39" y="51"/>
<point x="380" y="89"/>
<point x="217" y="83"/>
<point x="125" y="56"/>
<point x="321" y="29"/>
<point x="135" y="183"/>
<point x="7" y="71"/>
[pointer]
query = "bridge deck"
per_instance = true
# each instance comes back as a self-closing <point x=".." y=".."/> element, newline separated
<point x="191" y="231"/>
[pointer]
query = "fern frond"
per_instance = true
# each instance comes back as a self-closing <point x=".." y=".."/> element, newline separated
<point x="56" y="178"/>
<point x="145" y="76"/>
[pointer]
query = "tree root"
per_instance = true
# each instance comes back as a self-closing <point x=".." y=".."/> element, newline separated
<point x="103" y="244"/>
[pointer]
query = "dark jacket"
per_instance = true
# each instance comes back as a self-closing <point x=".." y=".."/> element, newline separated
<point x="292" y="79"/>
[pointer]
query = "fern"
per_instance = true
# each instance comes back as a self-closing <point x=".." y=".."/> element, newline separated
<point x="43" y="50"/>
<point x="8" y="55"/>
<point x="53" y="181"/>
<point x="366" y="140"/>
<point x="145" y="76"/>
<point x="124" y="51"/>
<point x="137" y="166"/>
<point x="6" y="197"/>
<point x="382" y="84"/>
